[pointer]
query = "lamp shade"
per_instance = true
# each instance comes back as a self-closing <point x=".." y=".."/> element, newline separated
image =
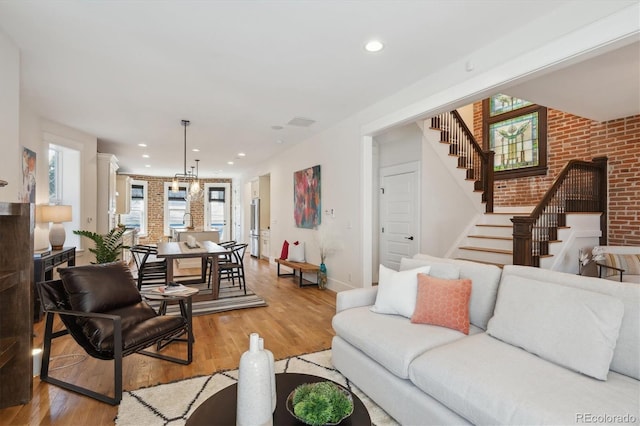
<point x="56" y="214"/>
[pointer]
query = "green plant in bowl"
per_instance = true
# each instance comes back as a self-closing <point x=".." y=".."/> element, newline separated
<point x="322" y="403"/>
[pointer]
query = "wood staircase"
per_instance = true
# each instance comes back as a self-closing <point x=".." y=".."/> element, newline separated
<point x="530" y="235"/>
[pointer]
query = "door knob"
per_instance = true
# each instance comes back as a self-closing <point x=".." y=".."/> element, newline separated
<point x="409" y="238"/>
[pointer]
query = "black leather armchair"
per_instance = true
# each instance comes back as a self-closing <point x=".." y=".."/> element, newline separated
<point x="103" y="311"/>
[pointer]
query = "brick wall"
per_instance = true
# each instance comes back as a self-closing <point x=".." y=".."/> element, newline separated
<point x="155" y="213"/>
<point x="572" y="137"/>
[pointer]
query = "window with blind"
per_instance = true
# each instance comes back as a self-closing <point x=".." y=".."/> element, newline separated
<point x="176" y="207"/>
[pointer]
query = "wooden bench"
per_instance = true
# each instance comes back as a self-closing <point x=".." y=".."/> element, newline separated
<point x="300" y="266"/>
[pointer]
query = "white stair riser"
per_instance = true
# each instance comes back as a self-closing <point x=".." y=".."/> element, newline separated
<point x="497" y="219"/>
<point x="493" y="231"/>
<point x="490" y="243"/>
<point x="485" y="256"/>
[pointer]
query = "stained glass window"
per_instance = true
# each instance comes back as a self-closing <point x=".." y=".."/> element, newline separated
<point x="500" y="104"/>
<point x="516" y="131"/>
<point x="515" y="142"/>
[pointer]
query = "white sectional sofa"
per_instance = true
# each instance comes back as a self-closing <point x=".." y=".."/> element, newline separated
<point x="537" y="341"/>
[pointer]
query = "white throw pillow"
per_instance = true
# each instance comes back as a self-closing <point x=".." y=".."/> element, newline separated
<point x="574" y="328"/>
<point x="397" y="291"/>
<point x="296" y="252"/>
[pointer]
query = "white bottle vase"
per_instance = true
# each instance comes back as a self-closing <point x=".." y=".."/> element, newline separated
<point x="254" y="387"/>
<point x="272" y="375"/>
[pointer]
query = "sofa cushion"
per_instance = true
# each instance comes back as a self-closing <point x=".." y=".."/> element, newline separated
<point x="626" y="357"/>
<point x="572" y="327"/>
<point x="99" y="288"/>
<point x="490" y="382"/>
<point x="391" y="340"/>
<point x="485" y="279"/>
<point x="443" y="302"/>
<point x="445" y="271"/>
<point x="397" y="291"/>
<point x="629" y="262"/>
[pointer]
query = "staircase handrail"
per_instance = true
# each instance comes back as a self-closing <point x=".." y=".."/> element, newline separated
<point x="476" y="146"/>
<point x="486" y="158"/>
<point x="523" y="225"/>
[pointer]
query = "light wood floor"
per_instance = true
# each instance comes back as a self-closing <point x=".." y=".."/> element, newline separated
<point x="297" y="321"/>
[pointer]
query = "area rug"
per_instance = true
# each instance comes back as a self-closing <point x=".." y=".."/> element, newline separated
<point x="171" y="404"/>
<point x="230" y="298"/>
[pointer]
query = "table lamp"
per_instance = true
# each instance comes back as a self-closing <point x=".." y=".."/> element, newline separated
<point x="57" y="215"/>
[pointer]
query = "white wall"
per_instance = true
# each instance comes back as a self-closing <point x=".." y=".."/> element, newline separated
<point x="9" y="119"/>
<point x="345" y="150"/>
<point x="21" y="126"/>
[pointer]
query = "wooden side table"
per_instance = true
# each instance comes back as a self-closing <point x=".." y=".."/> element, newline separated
<point x="186" y="311"/>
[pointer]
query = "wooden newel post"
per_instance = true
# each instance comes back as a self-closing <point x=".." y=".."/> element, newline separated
<point x="489" y="180"/>
<point x="601" y="162"/>
<point x="522" y="240"/>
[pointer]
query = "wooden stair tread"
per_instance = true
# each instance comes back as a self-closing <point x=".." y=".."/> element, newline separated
<point x="494" y="226"/>
<point x="489" y="250"/>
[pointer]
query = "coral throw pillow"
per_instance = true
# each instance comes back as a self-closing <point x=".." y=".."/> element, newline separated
<point x="285" y="250"/>
<point x="443" y="302"/>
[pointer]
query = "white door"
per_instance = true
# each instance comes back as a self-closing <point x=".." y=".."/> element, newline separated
<point x="399" y="213"/>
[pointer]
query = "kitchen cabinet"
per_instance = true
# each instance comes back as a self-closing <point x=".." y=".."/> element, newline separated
<point x="264" y="245"/>
<point x="106" y="193"/>
<point x="123" y="194"/>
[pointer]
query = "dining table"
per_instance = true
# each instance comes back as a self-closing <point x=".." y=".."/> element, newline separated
<point x="203" y="249"/>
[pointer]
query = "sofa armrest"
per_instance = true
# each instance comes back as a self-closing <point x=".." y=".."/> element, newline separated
<point x="355" y="298"/>
<point x="604" y="265"/>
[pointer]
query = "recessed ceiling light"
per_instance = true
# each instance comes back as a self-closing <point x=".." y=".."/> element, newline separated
<point x="374" y="46"/>
<point x="279" y="141"/>
<point x="241" y="154"/>
<point x="230" y="163"/>
<point x="144" y="145"/>
<point x="147" y="165"/>
<point x="145" y="155"/>
<point x="195" y="150"/>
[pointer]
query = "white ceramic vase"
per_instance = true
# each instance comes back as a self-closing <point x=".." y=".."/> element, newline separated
<point x="254" y="387"/>
<point x="272" y="374"/>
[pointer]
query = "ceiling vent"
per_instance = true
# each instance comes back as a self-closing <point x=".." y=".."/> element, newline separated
<point x="301" y="122"/>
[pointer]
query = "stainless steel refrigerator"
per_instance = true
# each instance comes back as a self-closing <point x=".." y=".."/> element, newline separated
<point x="254" y="232"/>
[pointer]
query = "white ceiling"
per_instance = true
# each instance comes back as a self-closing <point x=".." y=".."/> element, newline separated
<point x="129" y="71"/>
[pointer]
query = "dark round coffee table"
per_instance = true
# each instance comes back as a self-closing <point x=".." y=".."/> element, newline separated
<point x="220" y="408"/>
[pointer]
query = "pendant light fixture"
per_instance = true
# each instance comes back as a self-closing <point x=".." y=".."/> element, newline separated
<point x="190" y="178"/>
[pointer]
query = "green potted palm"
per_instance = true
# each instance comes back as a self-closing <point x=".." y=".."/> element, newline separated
<point x="107" y="247"/>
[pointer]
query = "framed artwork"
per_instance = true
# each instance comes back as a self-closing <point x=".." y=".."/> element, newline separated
<point x="306" y="197"/>
<point x="28" y="167"/>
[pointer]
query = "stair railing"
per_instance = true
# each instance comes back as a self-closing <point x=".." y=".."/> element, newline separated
<point x="581" y="186"/>
<point x="478" y="163"/>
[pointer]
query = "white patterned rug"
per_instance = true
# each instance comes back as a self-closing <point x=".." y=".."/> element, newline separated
<point x="171" y="404"/>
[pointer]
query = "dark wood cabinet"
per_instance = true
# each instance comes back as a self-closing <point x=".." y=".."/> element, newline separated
<point x="16" y="303"/>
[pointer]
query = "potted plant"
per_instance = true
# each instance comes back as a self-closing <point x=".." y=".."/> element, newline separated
<point x="107" y="247"/>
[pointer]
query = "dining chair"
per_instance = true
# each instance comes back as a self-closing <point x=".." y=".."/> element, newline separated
<point x="233" y="268"/>
<point x="150" y="269"/>
<point x="222" y="258"/>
